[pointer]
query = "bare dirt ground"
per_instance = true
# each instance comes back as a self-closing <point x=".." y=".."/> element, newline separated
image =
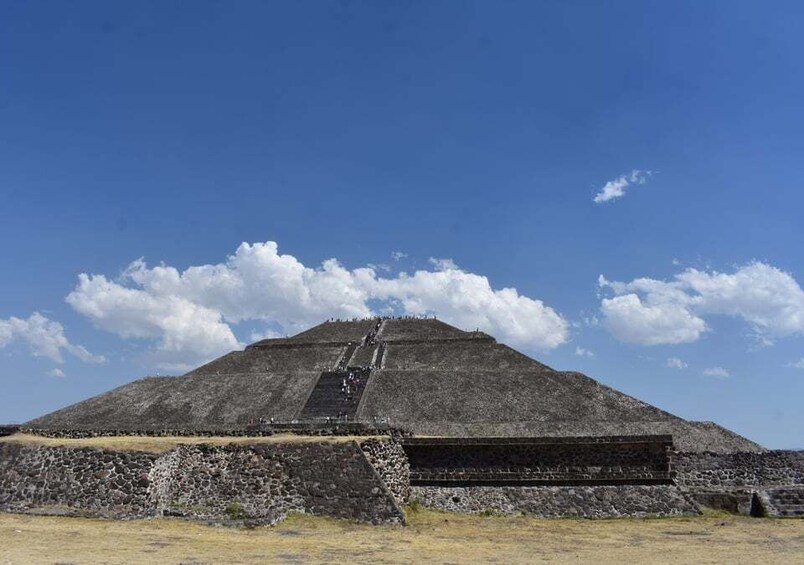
<point x="430" y="537"/>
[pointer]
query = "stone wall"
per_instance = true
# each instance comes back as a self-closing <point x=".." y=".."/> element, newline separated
<point x="260" y="483"/>
<point x="548" y="502"/>
<point x="74" y="481"/>
<point x="265" y="482"/>
<point x="724" y="471"/>
<point x="389" y="460"/>
<point x="254" y="430"/>
<point x="366" y="481"/>
<point x="7" y="430"/>
<point x="538" y="461"/>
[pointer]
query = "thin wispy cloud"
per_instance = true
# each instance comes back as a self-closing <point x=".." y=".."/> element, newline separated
<point x="617" y="188"/>
<point x="676" y="363"/>
<point x="581" y="352"/>
<point x="716" y="372"/>
<point x="443" y="264"/>
<point x="798" y="364"/>
<point x="379" y="267"/>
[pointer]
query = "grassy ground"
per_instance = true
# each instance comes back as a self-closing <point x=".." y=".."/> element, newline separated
<point x="430" y="537"/>
<point x="161" y="444"/>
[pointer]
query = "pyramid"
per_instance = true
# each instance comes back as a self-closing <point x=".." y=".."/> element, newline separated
<point x="419" y="375"/>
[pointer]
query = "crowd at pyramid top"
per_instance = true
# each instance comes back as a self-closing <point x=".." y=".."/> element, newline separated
<point x="381" y="318"/>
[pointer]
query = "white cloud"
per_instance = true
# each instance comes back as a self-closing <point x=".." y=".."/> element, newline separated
<point x="44" y="338"/>
<point x="58" y="373"/>
<point x="188" y="313"/>
<point x="468" y="301"/>
<point x="633" y="320"/>
<point x="185" y="329"/>
<point x="716" y="372"/>
<point x="676" y="363"/>
<point x="591" y="321"/>
<point x="398" y="255"/>
<point x="650" y="312"/>
<point x="581" y="352"/>
<point x="616" y="188"/>
<point x="265" y="334"/>
<point x="443" y="264"/>
<point x="798" y="364"/>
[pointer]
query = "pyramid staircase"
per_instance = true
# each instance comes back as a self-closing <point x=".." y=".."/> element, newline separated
<point x="783" y="501"/>
<point x="327" y="400"/>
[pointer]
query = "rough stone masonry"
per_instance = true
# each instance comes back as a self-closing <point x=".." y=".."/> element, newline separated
<point x="260" y="483"/>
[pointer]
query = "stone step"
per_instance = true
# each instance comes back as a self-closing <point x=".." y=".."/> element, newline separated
<point x="784" y="501"/>
<point x="344" y="360"/>
<point x="327" y="399"/>
<point x="791" y="511"/>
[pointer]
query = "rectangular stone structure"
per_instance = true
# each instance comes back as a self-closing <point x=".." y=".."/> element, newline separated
<point x="612" y="460"/>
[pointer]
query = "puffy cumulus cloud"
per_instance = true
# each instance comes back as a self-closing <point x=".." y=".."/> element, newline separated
<point x="635" y="320"/>
<point x="185" y="330"/>
<point x="188" y="313"/>
<point x="766" y="297"/>
<point x="467" y="300"/>
<point x="44" y="338"/>
<point x="650" y="312"/>
<point x="676" y="363"/>
<point x="616" y="188"/>
<point x="716" y="372"/>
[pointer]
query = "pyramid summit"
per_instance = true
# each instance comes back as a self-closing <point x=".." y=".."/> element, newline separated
<point x="419" y="375"/>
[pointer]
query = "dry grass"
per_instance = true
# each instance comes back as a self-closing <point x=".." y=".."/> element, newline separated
<point x="156" y="444"/>
<point x="431" y="537"/>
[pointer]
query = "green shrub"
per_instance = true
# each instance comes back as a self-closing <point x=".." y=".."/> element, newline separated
<point x="235" y="511"/>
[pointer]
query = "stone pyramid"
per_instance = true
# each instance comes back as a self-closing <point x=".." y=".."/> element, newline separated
<point x="420" y="375"/>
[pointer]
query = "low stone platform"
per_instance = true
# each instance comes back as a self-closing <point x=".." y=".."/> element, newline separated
<point x="258" y="483"/>
<point x="321" y="427"/>
<point x="369" y="479"/>
<point x="602" y="460"/>
<point x="560" y="501"/>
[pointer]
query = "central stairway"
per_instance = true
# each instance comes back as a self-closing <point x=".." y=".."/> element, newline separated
<point x="328" y="398"/>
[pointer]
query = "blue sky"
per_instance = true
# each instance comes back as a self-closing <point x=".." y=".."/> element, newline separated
<point x="384" y="135"/>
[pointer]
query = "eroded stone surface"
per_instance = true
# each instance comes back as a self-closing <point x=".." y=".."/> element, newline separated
<point x="549" y="502"/>
<point x="715" y="471"/>
<point x="85" y="480"/>
<point x="261" y="483"/>
<point x="389" y="460"/>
